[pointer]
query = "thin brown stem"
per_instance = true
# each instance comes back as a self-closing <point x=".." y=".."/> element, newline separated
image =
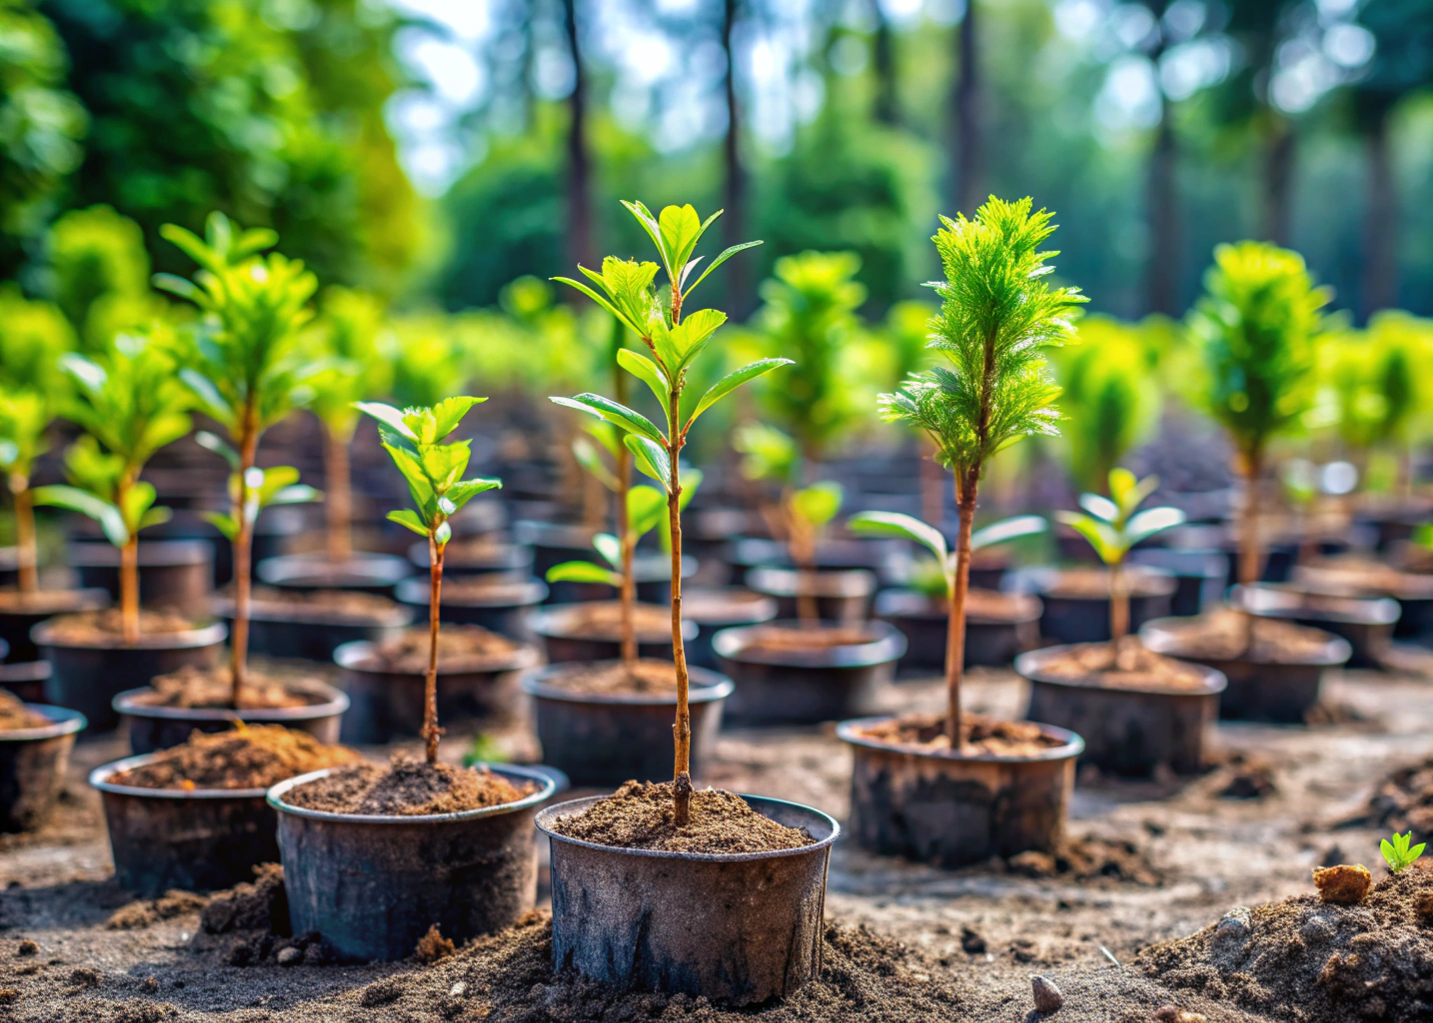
<point x="1119" y="603"/>
<point x="682" y="729"/>
<point x="338" y="499"/>
<point x="966" y="490"/>
<point x="26" y="560"/>
<point x="129" y="590"/>
<point x="1249" y="554"/>
<point x="802" y="545"/>
<point x="627" y="594"/>
<point x="243" y="549"/>
<point x="431" y="732"/>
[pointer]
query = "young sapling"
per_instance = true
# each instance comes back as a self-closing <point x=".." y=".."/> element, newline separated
<point x="414" y="439"/>
<point x="674" y="338"/>
<point x="1396" y="852"/>
<point x="24" y="417"/>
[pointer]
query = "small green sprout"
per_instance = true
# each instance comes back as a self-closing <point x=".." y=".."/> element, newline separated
<point x="1396" y="852"/>
<point x="939" y="578"/>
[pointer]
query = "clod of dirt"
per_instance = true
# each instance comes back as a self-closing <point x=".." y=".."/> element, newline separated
<point x="1243" y="776"/>
<point x="14" y="714"/>
<point x="1345" y="884"/>
<point x="433" y="946"/>
<point x="137" y="1010"/>
<point x="1309" y="961"/>
<point x="9" y="996"/>
<point x="27" y="947"/>
<point x="261" y="904"/>
<point x="84" y="976"/>
<point x="405" y="788"/>
<point x="640" y="815"/>
<point x="972" y="943"/>
<point x="1048" y="998"/>
<point x="460" y="648"/>
<point x="1088" y="859"/>
<point x="382" y="992"/>
<point x="145" y="912"/>
<point x="249" y="757"/>
<point x="1171" y="1014"/>
<point x="1404" y="800"/>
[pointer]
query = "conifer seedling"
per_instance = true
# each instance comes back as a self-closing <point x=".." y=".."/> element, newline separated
<point x="674" y="339"/>
<point x="998" y="314"/>
<point x="414" y="439"/>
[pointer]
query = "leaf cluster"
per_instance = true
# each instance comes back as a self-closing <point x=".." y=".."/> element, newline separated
<point x="97" y="270"/>
<point x="1374" y="381"/>
<point x="33" y="336"/>
<point x="100" y="488"/>
<point x="1113" y="525"/>
<point x="1396" y="851"/>
<point x="646" y="511"/>
<point x="265" y="487"/>
<point x="24" y="416"/>
<point x="908" y="527"/>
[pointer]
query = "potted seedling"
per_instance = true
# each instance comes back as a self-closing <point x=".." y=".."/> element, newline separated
<point x="422" y="843"/>
<point x="955" y="789"/>
<point x="997" y="625"/>
<point x="1135" y="709"/>
<point x="130" y="403"/>
<point x="642" y="894"/>
<point x="1256" y="330"/>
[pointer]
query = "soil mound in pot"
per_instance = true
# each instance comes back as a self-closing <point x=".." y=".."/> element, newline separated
<point x="14" y="714"/>
<point x="103" y="626"/>
<point x="405" y="788"/>
<point x="460" y="648"/>
<point x="1133" y="667"/>
<point x="249" y="757"/>
<point x="609" y="678"/>
<point x="639" y="815"/>
<point x="1313" y="961"/>
<point x="1403" y="801"/>
<point x="484" y="587"/>
<point x="1094" y="584"/>
<point x="1224" y="634"/>
<point x="212" y="689"/>
<point x="316" y="605"/>
<point x="778" y="639"/>
<point x="602" y="619"/>
<point x="982" y="736"/>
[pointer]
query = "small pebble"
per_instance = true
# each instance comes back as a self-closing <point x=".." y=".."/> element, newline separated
<point x="1235" y="924"/>
<point x="458" y="989"/>
<point x="1345" y="884"/>
<point x="1047" y="996"/>
<point x="1317" y="929"/>
<point x="1170" y="1014"/>
<point x="290" y="956"/>
<point x="28" y="948"/>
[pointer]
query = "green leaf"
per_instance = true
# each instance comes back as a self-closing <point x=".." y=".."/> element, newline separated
<point x="219" y="446"/>
<point x="648" y="222"/>
<point x="1100" y="507"/>
<point x="208" y="396"/>
<point x="726" y="253"/>
<point x="680" y="227"/>
<point x="647" y="371"/>
<point x="582" y="572"/>
<point x="224" y="523"/>
<point x="1007" y="530"/>
<point x="82" y="501"/>
<point x="409" y="518"/>
<point x="818" y="503"/>
<point x="908" y="527"/>
<point x="137" y="500"/>
<point x="601" y="300"/>
<point x="731" y="382"/>
<point x="614" y="413"/>
<point x="463" y="491"/>
<point x="444" y="464"/>
<point x="690" y="479"/>
<point x="587" y="457"/>
<point x="690" y="336"/>
<point x="389" y="416"/>
<point x="1103" y="537"/>
<point x="1151" y="521"/>
<point x="645" y="508"/>
<point x="608" y="546"/>
<point x="650" y="458"/>
<point x="155" y="517"/>
<point x="449" y="412"/>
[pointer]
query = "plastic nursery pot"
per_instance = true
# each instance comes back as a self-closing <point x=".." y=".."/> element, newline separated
<point x="1076" y="616"/>
<point x="313" y="633"/>
<point x="736" y="928"/>
<point x="561" y="630"/>
<point x="706" y="535"/>
<point x="503" y="607"/>
<point x="889" y="559"/>
<point x="388" y="705"/>
<point x="1367" y="623"/>
<point x="603" y="739"/>
<point x="194" y="839"/>
<point x="989" y="640"/>
<point x="371" y="886"/>
<point x="463" y="558"/>
<point x="806" y="686"/>
<point x="842" y="595"/>
<point x="26" y="679"/>
<point x="32" y="766"/>
<point x="366" y="573"/>
<point x="153" y="727"/>
<point x="949" y="810"/>
<point x="19" y="614"/>
<point x="1127" y="730"/>
<point x="1278" y="692"/>
<point x="714" y="608"/>
<point x="552" y="543"/>
<point x="652" y="571"/>
<point x="87" y="677"/>
<point x="1199" y="576"/>
<point x="172" y="573"/>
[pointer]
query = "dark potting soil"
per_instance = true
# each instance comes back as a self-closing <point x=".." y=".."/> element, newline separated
<point x="258" y="905"/>
<point x="1094" y="584"/>
<point x="212" y="689"/>
<point x="982" y="736"/>
<point x="315" y="605"/>
<point x="249" y="757"/>
<point x="460" y="648"/>
<point x="1132" y="667"/>
<point x="1354" y="576"/>
<point x="89" y="627"/>
<point x="602" y="619"/>
<point x="14" y="714"/>
<point x="405" y="788"/>
<point x="777" y="639"/>
<point x="640" y="815"/>
<point x="1404" y="801"/>
<point x="490" y="589"/>
<point x="145" y="912"/>
<point x="1223" y="635"/>
<point x="1308" y="960"/>
<point x="610" y="678"/>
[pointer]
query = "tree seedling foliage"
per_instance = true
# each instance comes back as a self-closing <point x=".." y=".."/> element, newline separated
<point x="1396" y="851"/>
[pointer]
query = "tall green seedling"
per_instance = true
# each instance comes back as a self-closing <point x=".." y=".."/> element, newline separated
<point x="674" y="338"/>
<point x="998" y="314"/>
<point x="414" y="438"/>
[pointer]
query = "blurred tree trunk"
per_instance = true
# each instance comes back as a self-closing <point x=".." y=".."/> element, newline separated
<point x="1380" y="220"/>
<point x="1162" y="209"/>
<point x="734" y="187"/>
<point x="887" y="104"/>
<point x="1280" y="150"/>
<point x="579" y="168"/>
<point x="965" y="107"/>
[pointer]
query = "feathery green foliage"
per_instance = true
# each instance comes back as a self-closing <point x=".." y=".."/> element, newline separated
<point x="97" y="270"/>
<point x="33" y="336"/>
<point x="1375" y="379"/>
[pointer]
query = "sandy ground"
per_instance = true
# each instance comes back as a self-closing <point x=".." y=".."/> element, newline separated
<point x="988" y="929"/>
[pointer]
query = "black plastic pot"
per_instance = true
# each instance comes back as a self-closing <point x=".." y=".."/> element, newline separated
<point x="371" y="886"/>
<point x="890" y="560"/>
<point x="1199" y="576"/>
<point x="1367" y="623"/>
<point x="926" y="625"/>
<point x="9" y="566"/>
<point x="33" y="762"/>
<point x="735" y="928"/>
<point x="1282" y="693"/>
<point x="1129" y="731"/>
<point x="806" y="686"/>
<point x="505" y="609"/>
<point x="1413" y="591"/>
<point x="388" y="705"/>
<point x="714" y="608"/>
<point x="311" y="633"/>
<point x="26" y="679"/>
<point x="652" y="571"/>
<point x="842" y="595"/>
<point x="193" y="839"/>
<point x="154" y="728"/>
<point x="172" y="573"/>
<point x="1080" y="619"/>
<point x="556" y="627"/>
<point x="366" y="573"/>
<point x="600" y="739"/>
<point x="951" y="811"/>
<point x="553" y="543"/>
<point x="706" y="535"/>
<point x="15" y="624"/>
<point x="507" y="559"/>
<point x="88" y="678"/>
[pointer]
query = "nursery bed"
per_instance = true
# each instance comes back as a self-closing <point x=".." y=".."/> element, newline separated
<point x="1151" y="861"/>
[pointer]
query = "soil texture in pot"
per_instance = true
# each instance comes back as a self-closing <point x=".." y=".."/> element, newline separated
<point x="405" y="788"/>
<point x="1134" y="667"/>
<point x="774" y="639"/>
<point x="212" y="689"/>
<point x="1223" y="635"/>
<point x="640" y="815"/>
<point x="981" y="736"/>
<point x="15" y="715"/>
<point x="609" y="678"/>
<point x="486" y="588"/>
<point x="1094" y="584"/>
<point x="460" y="648"/>
<point x="316" y="605"/>
<point x="602" y="619"/>
<point x="249" y="757"/>
<point x="1363" y="577"/>
<point x="90" y="627"/>
<point x="1315" y="961"/>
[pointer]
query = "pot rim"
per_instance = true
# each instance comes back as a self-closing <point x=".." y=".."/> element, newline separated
<point x="1036" y="608"/>
<point x="99" y="779"/>
<point x="854" y="582"/>
<point x="1215" y="681"/>
<point x="890" y="646"/>
<point x="551" y="812"/>
<point x="393" y="617"/>
<point x="63" y="721"/>
<point x="717" y="687"/>
<point x="174" y="553"/>
<point x="1073" y="746"/>
<point x="206" y="635"/>
<point x="413" y="592"/>
<point x="370" y="567"/>
<point x="547" y="787"/>
<point x="525" y="656"/>
<point x="336" y="703"/>
<point x="1038" y="579"/>
<point x="539" y="619"/>
<point x="1156" y="635"/>
<point x="1378" y="610"/>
